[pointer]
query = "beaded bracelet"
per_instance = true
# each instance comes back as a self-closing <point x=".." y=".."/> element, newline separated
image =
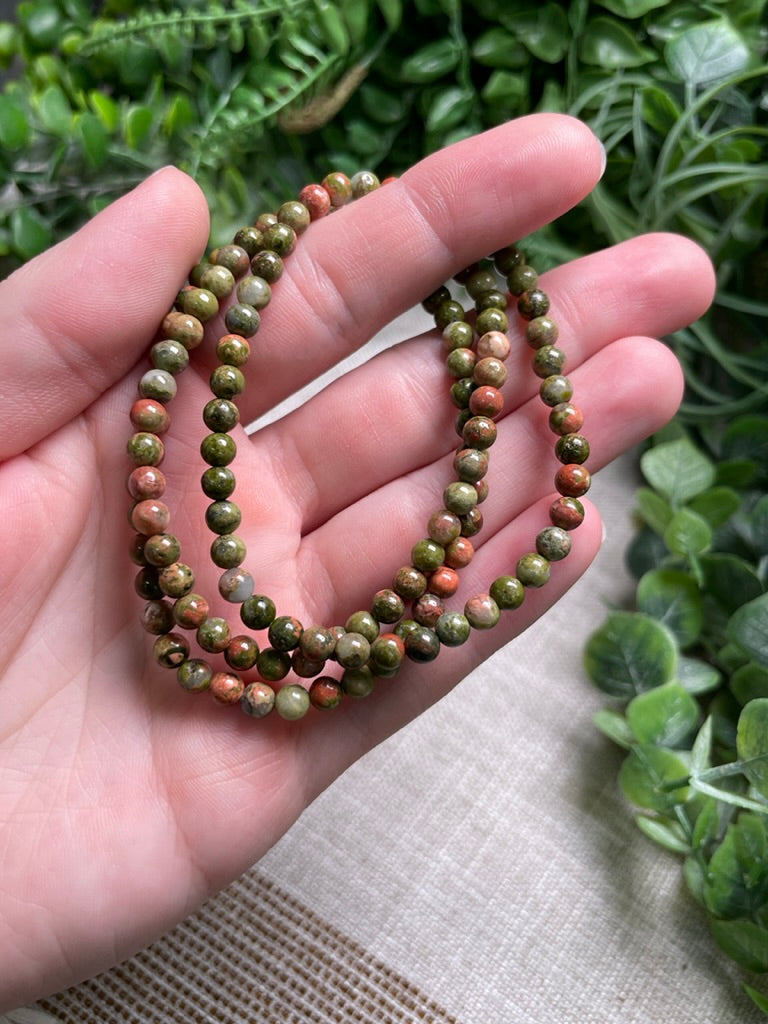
<point x="409" y="619"/>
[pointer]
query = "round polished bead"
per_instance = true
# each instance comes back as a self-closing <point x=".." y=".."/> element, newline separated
<point x="254" y="291"/>
<point x="176" y="579"/>
<point x="221" y="415"/>
<point x="491" y="319"/>
<point x="233" y="349"/>
<point x="285" y="633"/>
<point x="463" y="418"/>
<point x="161" y="549"/>
<point x="250" y="238"/>
<point x="555" y="389"/>
<point x="461" y="392"/>
<point x="387" y="606"/>
<point x="217" y="279"/>
<point x="533" y="304"/>
<point x="227" y="381"/>
<point x="358" y="682"/>
<point x="540" y="331"/>
<point x="325" y="693"/>
<point x="459" y="553"/>
<point x="458" y="334"/>
<point x="317" y="643"/>
<point x="447" y="312"/>
<point x="273" y="665"/>
<point x="435" y="299"/>
<point x="170" y="356"/>
<point x="387" y="652"/>
<point x="422" y="644"/>
<point x="352" y="650"/>
<point x="405" y="627"/>
<point x="363" y="622"/>
<point x="236" y="585"/>
<point x="149" y="416"/>
<point x="463" y="275"/>
<point x="157" y="617"/>
<point x="214" y="635"/>
<point x="493" y="299"/>
<point x="280" y="238"/>
<point x="136" y="549"/>
<point x="548" y="361"/>
<point x="268" y="265"/>
<point x="490" y="371"/>
<point x="479" y="432"/>
<point x="218" y="449"/>
<point x="292" y="702"/>
<point x="295" y="214"/>
<point x="426" y="555"/>
<point x="339" y="188"/>
<point x="493" y="345"/>
<point x="521" y="278"/>
<point x="566" y="419"/>
<point x="471" y="465"/>
<point x="183" y="327"/>
<point x="150" y="516"/>
<point x="191" y="611"/>
<point x="444" y="582"/>
<point x="471" y="523"/>
<point x="427" y="609"/>
<point x="507" y="258"/>
<point x="316" y="200"/>
<point x="461" y="362"/>
<point x="364" y="182"/>
<point x="482" y="487"/>
<point x="409" y="582"/>
<point x="146" y="585"/>
<point x="228" y="551"/>
<point x="459" y="497"/>
<point x="146" y="482"/>
<point x="572" y="448"/>
<point x="486" y="400"/>
<point x="553" y="543"/>
<point x="566" y="512"/>
<point x="145" y="449"/>
<point x="244" y="320"/>
<point x="242" y="652"/>
<point x="533" y="570"/>
<point x="508" y="592"/>
<point x="198" y="302"/>
<point x="258" y="700"/>
<point x="258" y="611"/>
<point x="573" y="480"/>
<point x="479" y="281"/>
<point x="452" y="629"/>
<point x="227" y="687"/>
<point x="233" y="257"/>
<point x="481" y="611"/>
<point x="171" y="650"/>
<point x="223" y="516"/>
<point x="266" y="220"/>
<point x="194" y="675"/>
<point x="443" y="527"/>
<point x="303" y="666"/>
<point x="218" y="482"/>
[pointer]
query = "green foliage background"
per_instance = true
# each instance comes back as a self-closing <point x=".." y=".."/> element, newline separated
<point x="257" y="98"/>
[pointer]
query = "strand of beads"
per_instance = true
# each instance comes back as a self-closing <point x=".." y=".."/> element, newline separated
<point x="409" y="619"/>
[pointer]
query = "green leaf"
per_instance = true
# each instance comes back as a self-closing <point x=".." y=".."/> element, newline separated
<point x="30" y="233"/>
<point x="743" y="941"/>
<point x="629" y="654"/>
<point x="138" y="122"/>
<point x="752" y="743"/>
<point x="614" y="726"/>
<point x="430" y="62"/>
<point x="716" y="505"/>
<point x="758" y="521"/>
<point x="41" y="23"/>
<point x="448" y="108"/>
<point x="332" y="26"/>
<point x="654" y="510"/>
<point x="760" y="1001"/>
<point x="93" y="138"/>
<point x="392" y="11"/>
<point x="665" y="832"/>
<point x="608" y="44"/>
<point x="678" y="470"/>
<point x="645" y="551"/>
<point x="737" y="878"/>
<point x="746" y="440"/>
<point x="542" y="29"/>
<point x="648" y="773"/>
<point x="672" y="597"/>
<point x="688" y="534"/>
<point x="659" y="109"/>
<point x="631" y="8"/>
<point x="180" y="116"/>
<point x="498" y="48"/>
<point x="697" y="676"/>
<point x="749" y="682"/>
<point x="665" y="716"/>
<point x="708" y="824"/>
<point x="748" y="628"/>
<point x="707" y="53"/>
<point x="729" y="580"/>
<point x="55" y="111"/>
<point x="14" y="127"/>
<point x="505" y="87"/>
<point x="106" y="108"/>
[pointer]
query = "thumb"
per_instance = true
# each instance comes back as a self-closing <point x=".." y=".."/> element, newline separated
<point x="78" y="316"/>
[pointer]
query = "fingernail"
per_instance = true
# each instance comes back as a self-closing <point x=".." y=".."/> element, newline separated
<point x="604" y="156"/>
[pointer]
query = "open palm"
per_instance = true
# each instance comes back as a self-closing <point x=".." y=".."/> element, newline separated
<point x="123" y="801"/>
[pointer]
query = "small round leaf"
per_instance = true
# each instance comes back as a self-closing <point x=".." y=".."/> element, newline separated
<point x="629" y="654"/>
<point x="673" y="598"/>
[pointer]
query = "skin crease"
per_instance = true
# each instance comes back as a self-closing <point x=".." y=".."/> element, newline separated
<point x="124" y="802"/>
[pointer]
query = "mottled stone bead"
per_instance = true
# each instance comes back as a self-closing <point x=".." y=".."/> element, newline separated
<point x="149" y="416"/>
<point x="233" y="257"/>
<point x="459" y="497"/>
<point x="358" y="682"/>
<point x="404" y="627"/>
<point x="521" y="278"/>
<point x="459" y="553"/>
<point x="250" y="238"/>
<point x="233" y="349"/>
<point x="387" y="652"/>
<point x="481" y="611"/>
<point x="566" y="512"/>
<point x="435" y="299"/>
<point x="490" y="371"/>
<point x="462" y="419"/>
<point x="265" y="220"/>
<point x="325" y="693"/>
<point x="218" y="449"/>
<point x="471" y="523"/>
<point x="479" y="432"/>
<point x="145" y="584"/>
<point x="243" y="320"/>
<point x="145" y="449"/>
<point x="268" y="265"/>
<point x="508" y="592"/>
<point x="223" y="516"/>
<point x="184" y="328"/>
<point x="316" y="200"/>
<point x="452" y="629"/>
<point x="463" y="275"/>
<point x="254" y="291"/>
<point x="305" y="667"/>
<point x="161" y="549"/>
<point x="214" y="634"/>
<point x="136" y="549"/>
<point x="482" y="487"/>
<point x="194" y="675"/>
<point x="555" y="389"/>
<point x="170" y="650"/>
<point x="242" y="652"/>
<point x="479" y="281"/>
<point x="150" y="516"/>
<point x="507" y="259"/>
<point x="421" y="644"/>
<point x="540" y="331"/>
<point x="339" y="188"/>
<point x="280" y="238"/>
<point x="532" y="304"/>
<point x="566" y="419"/>
<point x="363" y="622"/>
<point x="363" y="183"/>
<point x="548" y="361"/>
<point x="572" y="448"/>
<point x="176" y="579"/>
<point x="258" y="700"/>
<point x="227" y="381"/>
<point x="236" y="585"/>
<point x="471" y="465"/>
<point x="170" y="356"/>
<point x="491" y="319"/>
<point x="217" y="279"/>
<point x="409" y="582"/>
<point x="486" y="400"/>
<point x="427" y="609"/>
<point x="461" y="362"/>
<point x="352" y="650"/>
<point x="284" y="632"/>
<point x="295" y="214"/>
<point x="387" y="606"/>
<point x="258" y="611"/>
<point x="146" y="482"/>
<point x="573" y="480"/>
<point x="228" y="551"/>
<point x="458" y="334"/>
<point x="443" y="527"/>
<point x="220" y="415"/>
<point x="273" y="665"/>
<point x="218" y="482"/>
<point x="533" y="570"/>
<point x="444" y="582"/>
<point x="553" y="543"/>
<point x="158" y="384"/>
<point x="426" y="556"/>
<point x="198" y="302"/>
<point x="317" y="643"/>
<point x="191" y="611"/>
<point x="493" y="345"/>
<point x="461" y="392"/>
<point x="447" y="312"/>
<point x="493" y="299"/>
<point x="227" y="687"/>
<point x="292" y="702"/>
<point x="157" y="617"/>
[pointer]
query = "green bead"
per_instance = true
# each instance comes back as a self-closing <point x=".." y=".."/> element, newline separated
<point x="158" y="384"/>
<point x="178" y="326"/>
<point x="194" y="675"/>
<point x="533" y="304"/>
<point x="421" y="644"/>
<point x="409" y="583"/>
<point x="458" y="334"/>
<point x="254" y="291"/>
<point x="541" y="331"/>
<point x="533" y="570"/>
<point x="317" y="643"/>
<point x="233" y="349"/>
<point x="358" y="682"/>
<point x="292" y="702"/>
<point x="461" y="392"/>
<point x="221" y="415"/>
<point x="273" y="665"/>
<point x="427" y="556"/>
<point x="258" y="700"/>
<point x="266" y="220"/>
<point x="171" y="650"/>
<point x="447" y="312"/>
<point x="228" y="551"/>
<point x="258" y="611"/>
<point x="405" y="627"/>
<point x="435" y="299"/>
<point x="363" y="623"/>
<point x="352" y="650"/>
<point x="387" y="606"/>
<point x="521" y="278"/>
<point x="295" y="215"/>
<point x="268" y="265"/>
<point x="461" y="362"/>
<point x="491" y="320"/>
<point x="387" y="652"/>
<point x="170" y="356"/>
<point x="280" y="238"/>
<point x="242" y="653"/>
<point x="227" y="381"/>
<point x="285" y="633"/>
<point x="176" y="579"/>
<point x="213" y="635"/>
<point x="223" y="516"/>
<point x="548" y="361"/>
<point x="249" y="238"/>
<point x="553" y="543"/>
<point x="198" y="302"/>
<point x="242" y="319"/>
<point x="234" y="257"/>
<point x="218" y="279"/>
<point x="452" y="629"/>
<point x="508" y="592"/>
<point x="363" y="183"/>
<point x="572" y="448"/>
<point x="480" y="281"/>
<point x="507" y="258"/>
<point x="145" y="449"/>
<point x="162" y="549"/>
<point x="479" y="432"/>
<point x="482" y="612"/>
<point x="556" y="389"/>
<point x="492" y="299"/>
<point x="459" y="497"/>
<point x="190" y="611"/>
<point x="218" y="449"/>
<point x="471" y="464"/>
<point x="218" y="482"/>
<point x="443" y="527"/>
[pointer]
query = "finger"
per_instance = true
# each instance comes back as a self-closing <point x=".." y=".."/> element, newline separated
<point x="354" y="271"/>
<point x="78" y="316"/>
<point x="398" y="407"/>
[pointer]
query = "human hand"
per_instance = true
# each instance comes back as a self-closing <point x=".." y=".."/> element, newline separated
<point x="124" y="802"/>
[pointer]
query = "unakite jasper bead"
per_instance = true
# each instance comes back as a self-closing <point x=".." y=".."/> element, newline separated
<point x="573" y="480"/>
<point x="218" y="449"/>
<point x="223" y="516"/>
<point x="233" y="349"/>
<point x="409" y="582"/>
<point x="228" y="551"/>
<point x="150" y="517"/>
<point x="236" y="585"/>
<point x="387" y="651"/>
<point x="250" y="238"/>
<point x="295" y="214"/>
<point x="157" y="617"/>
<point x="273" y="665"/>
<point x="459" y="497"/>
<point x="358" y="682"/>
<point x="145" y="449"/>
<point x="421" y="644"/>
<point x="242" y="653"/>
<point x="182" y="327"/>
<point x="171" y="650"/>
<point x="258" y="700"/>
<point x="553" y="543"/>
<point x="146" y="482"/>
<point x="218" y="482"/>
<point x="254" y="291"/>
<point x="481" y="611"/>
<point x="508" y="592"/>
<point x="443" y="527"/>
<point x="161" y="549"/>
<point x="339" y="188"/>
<point x="491" y="319"/>
<point x="221" y="415"/>
<point x="217" y="279"/>
<point x="325" y="693"/>
<point x="227" y="687"/>
<point x="227" y="381"/>
<point x="548" y="361"/>
<point x="387" y="606"/>
<point x="471" y="464"/>
<point x="533" y="570"/>
<point x="453" y="629"/>
<point x="292" y="702"/>
<point x="258" y="611"/>
<point x="572" y="448"/>
<point x="555" y="389"/>
<point x="195" y="675"/>
<point x="285" y="632"/>
<point x="198" y="302"/>
<point x="426" y="556"/>
<point x="566" y="419"/>
<point x="150" y="416"/>
<point x="533" y="304"/>
<point x="213" y="635"/>
<point x="169" y="355"/>
<point x="363" y="622"/>
<point x="520" y="278"/>
<point x="317" y="643"/>
<point x="191" y="611"/>
<point x="176" y="579"/>
<point x="268" y="265"/>
<point x="352" y="650"/>
<point x="567" y="512"/>
<point x="541" y="330"/>
<point x="242" y="319"/>
<point x="158" y="384"/>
